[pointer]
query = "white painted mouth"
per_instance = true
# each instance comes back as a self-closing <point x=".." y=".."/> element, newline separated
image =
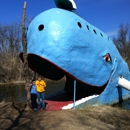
<point x="122" y="82"/>
<point x="71" y="105"/>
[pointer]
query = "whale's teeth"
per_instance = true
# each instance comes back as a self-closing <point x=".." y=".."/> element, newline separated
<point x="124" y="83"/>
<point x="69" y="106"/>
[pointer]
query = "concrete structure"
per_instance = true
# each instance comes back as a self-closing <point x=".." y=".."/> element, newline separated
<point x="59" y="43"/>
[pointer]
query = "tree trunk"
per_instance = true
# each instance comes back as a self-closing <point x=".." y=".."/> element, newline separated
<point x="25" y="56"/>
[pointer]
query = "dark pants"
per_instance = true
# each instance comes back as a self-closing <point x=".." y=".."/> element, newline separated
<point x="34" y="100"/>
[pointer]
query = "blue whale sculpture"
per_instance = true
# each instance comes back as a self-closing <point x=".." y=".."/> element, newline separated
<point x="61" y="43"/>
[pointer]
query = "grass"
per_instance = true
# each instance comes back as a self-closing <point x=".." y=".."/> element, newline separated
<point x="14" y="116"/>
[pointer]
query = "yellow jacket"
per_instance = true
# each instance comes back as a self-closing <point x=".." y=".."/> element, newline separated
<point x="40" y="86"/>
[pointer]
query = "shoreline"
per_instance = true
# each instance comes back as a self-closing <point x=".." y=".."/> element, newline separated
<point x="23" y="82"/>
<point x="14" y="82"/>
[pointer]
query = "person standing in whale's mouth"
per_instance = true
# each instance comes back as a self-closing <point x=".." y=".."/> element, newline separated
<point x="40" y="87"/>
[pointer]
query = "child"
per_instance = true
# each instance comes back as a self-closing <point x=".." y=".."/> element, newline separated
<point x="40" y="86"/>
<point x="33" y="95"/>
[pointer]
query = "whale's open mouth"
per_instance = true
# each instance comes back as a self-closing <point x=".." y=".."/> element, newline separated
<point x="51" y="71"/>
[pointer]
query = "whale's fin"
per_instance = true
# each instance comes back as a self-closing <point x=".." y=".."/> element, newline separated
<point x="66" y="4"/>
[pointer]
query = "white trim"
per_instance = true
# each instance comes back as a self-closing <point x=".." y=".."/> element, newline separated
<point x="73" y="4"/>
<point x="69" y="106"/>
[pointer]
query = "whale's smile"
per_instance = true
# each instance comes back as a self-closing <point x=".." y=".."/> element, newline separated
<point x="54" y="72"/>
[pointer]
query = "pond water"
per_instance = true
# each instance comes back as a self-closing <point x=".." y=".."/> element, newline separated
<point x="12" y="93"/>
<point x="17" y="93"/>
<point x="125" y="104"/>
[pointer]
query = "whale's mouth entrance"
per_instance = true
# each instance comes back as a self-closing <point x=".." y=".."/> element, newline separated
<point x="49" y="70"/>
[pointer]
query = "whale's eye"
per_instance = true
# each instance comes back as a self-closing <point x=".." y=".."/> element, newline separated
<point x="41" y="27"/>
<point x="79" y="24"/>
<point x="107" y="57"/>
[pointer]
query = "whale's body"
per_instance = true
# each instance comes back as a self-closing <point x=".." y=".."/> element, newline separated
<point x="59" y="43"/>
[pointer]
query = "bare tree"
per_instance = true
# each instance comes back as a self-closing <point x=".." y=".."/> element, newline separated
<point x="10" y="38"/>
<point x="123" y="42"/>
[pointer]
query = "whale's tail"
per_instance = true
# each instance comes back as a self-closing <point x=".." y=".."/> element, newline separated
<point x="66" y="4"/>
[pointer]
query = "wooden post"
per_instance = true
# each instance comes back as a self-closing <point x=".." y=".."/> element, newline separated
<point x="24" y="42"/>
<point x="25" y="56"/>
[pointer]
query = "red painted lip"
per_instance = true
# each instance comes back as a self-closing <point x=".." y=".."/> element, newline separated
<point x="51" y="71"/>
<point x="56" y="67"/>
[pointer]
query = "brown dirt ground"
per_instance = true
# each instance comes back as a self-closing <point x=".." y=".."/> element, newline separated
<point x="13" y="116"/>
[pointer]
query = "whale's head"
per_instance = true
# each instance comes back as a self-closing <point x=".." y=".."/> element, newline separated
<point x="60" y="43"/>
